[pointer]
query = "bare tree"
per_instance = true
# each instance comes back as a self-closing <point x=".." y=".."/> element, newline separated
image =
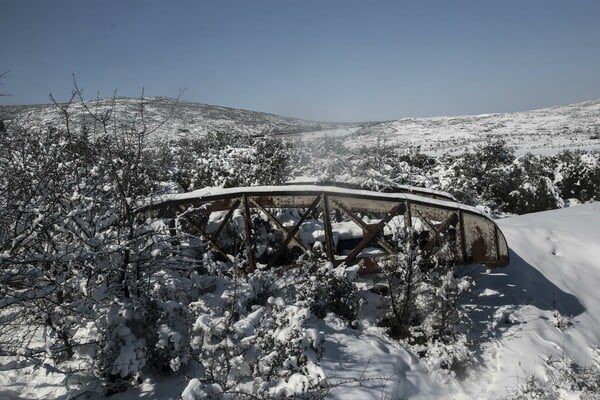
<point x="2" y="76"/>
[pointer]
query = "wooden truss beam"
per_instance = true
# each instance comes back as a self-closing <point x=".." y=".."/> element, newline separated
<point x="248" y="235"/>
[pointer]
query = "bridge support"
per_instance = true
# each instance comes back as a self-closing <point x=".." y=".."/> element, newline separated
<point x="368" y="220"/>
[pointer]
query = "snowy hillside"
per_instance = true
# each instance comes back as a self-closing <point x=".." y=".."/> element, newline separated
<point x="544" y="304"/>
<point x="548" y="130"/>
<point x="173" y="118"/>
<point x="96" y="300"/>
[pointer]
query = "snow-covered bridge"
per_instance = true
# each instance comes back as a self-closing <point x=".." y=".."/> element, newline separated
<point x="277" y="225"/>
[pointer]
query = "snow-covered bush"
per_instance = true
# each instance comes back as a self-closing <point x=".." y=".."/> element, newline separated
<point x="562" y="378"/>
<point x="494" y="177"/>
<point x="122" y="350"/>
<point x="403" y="272"/>
<point x="331" y="290"/>
<point x="424" y="308"/>
<point x="533" y="186"/>
<point x="261" y="350"/>
<point x="578" y="175"/>
<point x="75" y="255"/>
<point x="489" y="175"/>
<point x="272" y="161"/>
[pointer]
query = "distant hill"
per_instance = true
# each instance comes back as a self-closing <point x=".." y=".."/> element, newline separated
<point x="173" y="117"/>
<point x="573" y="126"/>
<point x="547" y="130"/>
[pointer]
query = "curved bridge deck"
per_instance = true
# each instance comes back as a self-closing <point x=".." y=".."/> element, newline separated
<point x="277" y="225"/>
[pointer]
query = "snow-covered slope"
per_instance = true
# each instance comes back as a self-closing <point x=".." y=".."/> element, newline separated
<point x="545" y="130"/>
<point x="545" y="303"/>
<point x="548" y="130"/>
<point x="171" y="118"/>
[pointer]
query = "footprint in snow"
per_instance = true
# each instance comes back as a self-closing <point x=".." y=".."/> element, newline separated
<point x="380" y="346"/>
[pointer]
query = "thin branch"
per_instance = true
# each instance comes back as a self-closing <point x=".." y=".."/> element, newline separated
<point x="2" y="76"/>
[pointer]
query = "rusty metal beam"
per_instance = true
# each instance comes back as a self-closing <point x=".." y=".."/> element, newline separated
<point x="365" y="228"/>
<point x="248" y="236"/>
<point x="408" y="230"/>
<point x="370" y="235"/>
<point x="294" y="230"/>
<point x="296" y="196"/>
<point x="215" y="235"/>
<point x="172" y="227"/>
<point x="429" y="223"/>
<point x="356" y="201"/>
<point x="451" y="220"/>
<point x="280" y="226"/>
<point x="463" y="237"/>
<point x="327" y="228"/>
<point x="497" y="243"/>
<point x="202" y="232"/>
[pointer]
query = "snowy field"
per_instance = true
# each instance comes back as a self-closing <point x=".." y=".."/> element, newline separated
<point x="545" y="303"/>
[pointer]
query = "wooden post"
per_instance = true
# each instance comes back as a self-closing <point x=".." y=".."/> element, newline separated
<point x="327" y="227"/>
<point x="463" y="238"/>
<point x="248" y="235"/>
<point x="408" y="225"/>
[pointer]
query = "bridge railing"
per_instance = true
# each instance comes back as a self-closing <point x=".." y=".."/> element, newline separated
<point x="278" y="225"/>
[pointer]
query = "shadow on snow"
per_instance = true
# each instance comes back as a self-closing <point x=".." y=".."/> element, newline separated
<point x="499" y="292"/>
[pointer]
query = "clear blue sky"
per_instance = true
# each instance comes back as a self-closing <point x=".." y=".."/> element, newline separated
<point x="321" y="60"/>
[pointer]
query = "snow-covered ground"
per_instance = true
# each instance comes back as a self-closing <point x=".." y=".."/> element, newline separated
<point x="551" y="283"/>
<point x="329" y="133"/>
<point x="548" y="130"/>
<point x="544" y="303"/>
<point x="167" y="118"/>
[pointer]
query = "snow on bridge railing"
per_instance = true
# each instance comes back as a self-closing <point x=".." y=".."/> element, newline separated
<point x="277" y="224"/>
<point x="385" y="186"/>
